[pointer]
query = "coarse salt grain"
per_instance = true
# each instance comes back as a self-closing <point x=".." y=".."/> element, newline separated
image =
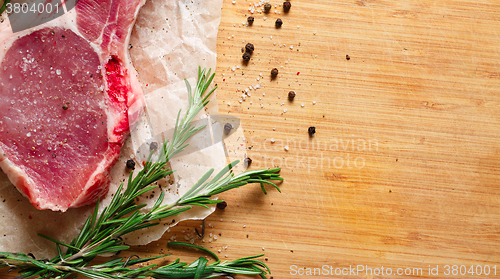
<point x="314" y="102"/>
<point x="302" y="105"/>
<point x="287" y="148"/>
<point x="285" y="110"/>
<point x="273" y="140"/>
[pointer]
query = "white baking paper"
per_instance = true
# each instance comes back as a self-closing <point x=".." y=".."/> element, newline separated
<point x="170" y="40"/>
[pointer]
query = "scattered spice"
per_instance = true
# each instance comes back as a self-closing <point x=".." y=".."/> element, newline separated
<point x="228" y="127"/>
<point x="267" y="8"/>
<point x="274" y="72"/>
<point x="278" y="23"/>
<point x="249" y="48"/>
<point x="246" y="57"/>
<point x="291" y="95"/>
<point x="286" y="6"/>
<point x="153" y="146"/>
<point x="222" y="205"/>
<point x="130" y="164"/>
<point x="248" y="161"/>
<point x="347" y="57"/>
<point x="250" y="20"/>
<point x="311" y="131"/>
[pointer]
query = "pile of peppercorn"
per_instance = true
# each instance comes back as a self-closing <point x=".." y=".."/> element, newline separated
<point x="247" y="52"/>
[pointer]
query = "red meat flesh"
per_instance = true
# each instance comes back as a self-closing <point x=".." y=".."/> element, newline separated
<point x="65" y="104"/>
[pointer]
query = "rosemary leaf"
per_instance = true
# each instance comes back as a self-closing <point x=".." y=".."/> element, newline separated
<point x="102" y="233"/>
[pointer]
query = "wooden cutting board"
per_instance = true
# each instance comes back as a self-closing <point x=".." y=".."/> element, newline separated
<point x="403" y="171"/>
<point x="404" y="168"/>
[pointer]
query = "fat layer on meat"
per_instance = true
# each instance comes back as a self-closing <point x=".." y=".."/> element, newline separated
<point x="69" y="96"/>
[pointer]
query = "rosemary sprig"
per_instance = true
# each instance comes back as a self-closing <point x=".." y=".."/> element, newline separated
<point x="4" y="6"/>
<point x="102" y="233"/>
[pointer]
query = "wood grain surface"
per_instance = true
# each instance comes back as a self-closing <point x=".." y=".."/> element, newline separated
<point x="403" y="171"/>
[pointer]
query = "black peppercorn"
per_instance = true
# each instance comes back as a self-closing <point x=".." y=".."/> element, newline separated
<point x="249" y="48"/>
<point x="153" y="146"/>
<point x="248" y="161"/>
<point x="267" y="8"/>
<point x="228" y="127"/>
<point x="311" y="130"/>
<point x="250" y="20"/>
<point x="274" y="73"/>
<point x="246" y="56"/>
<point x="286" y="6"/>
<point x="291" y="95"/>
<point x="222" y="205"/>
<point x="130" y="164"/>
<point x="347" y="57"/>
<point x="278" y="23"/>
<point x="66" y="106"/>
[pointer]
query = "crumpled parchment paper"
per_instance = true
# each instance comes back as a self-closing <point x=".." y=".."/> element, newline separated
<point x="170" y="40"/>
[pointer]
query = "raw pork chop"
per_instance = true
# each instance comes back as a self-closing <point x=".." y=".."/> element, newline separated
<point x="68" y="96"/>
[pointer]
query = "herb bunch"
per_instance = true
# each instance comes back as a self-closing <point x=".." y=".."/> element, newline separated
<point x="102" y="233"/>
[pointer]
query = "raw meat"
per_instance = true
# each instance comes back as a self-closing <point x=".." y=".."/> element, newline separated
<point x="68" y="97"/>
